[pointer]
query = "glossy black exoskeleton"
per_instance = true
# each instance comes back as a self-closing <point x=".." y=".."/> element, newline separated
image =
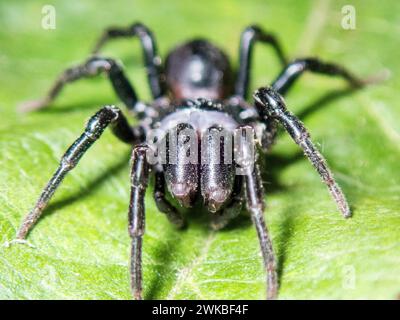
<point x="198" y="97"/>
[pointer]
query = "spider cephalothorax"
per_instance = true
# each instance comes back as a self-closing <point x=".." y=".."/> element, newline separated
<point x="199" y="137"/>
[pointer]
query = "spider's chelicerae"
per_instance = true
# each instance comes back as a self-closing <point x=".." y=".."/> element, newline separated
<point x="197" y="96"/>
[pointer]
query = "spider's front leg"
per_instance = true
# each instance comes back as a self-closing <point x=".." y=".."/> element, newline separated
<point x="139" y="181"/>
<point x="108" y="115"/>
<point x="255" y="204"/>
<point x="270" y="104"/>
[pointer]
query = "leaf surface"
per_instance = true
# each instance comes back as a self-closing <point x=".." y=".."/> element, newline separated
<point x="81" y="245"/>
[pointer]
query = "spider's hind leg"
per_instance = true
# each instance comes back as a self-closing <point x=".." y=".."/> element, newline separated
<point x="149" y="47"/>
<point x="295" y="69"/>
<point x="108" y="115"/>
<point x="90" y="68"/>
<point x="250" y="36"/>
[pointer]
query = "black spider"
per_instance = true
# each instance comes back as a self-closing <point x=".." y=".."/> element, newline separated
<point x="194" y="90"/>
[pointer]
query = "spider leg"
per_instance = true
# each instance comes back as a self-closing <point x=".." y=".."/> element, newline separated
<point x="151" y="58"/>
<point x="255" y="205"/>
<point x="295" y="69"/>
<point x="106" y="116"/>
<point x="163" y="204"/>
<point x="139" y="181"/>
<point x="270" y="104"/>
<point x="249" y="37"/>
<point x="90" y="68"/>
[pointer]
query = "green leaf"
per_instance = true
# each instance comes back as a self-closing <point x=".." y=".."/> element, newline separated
<point x="81" y="245"/>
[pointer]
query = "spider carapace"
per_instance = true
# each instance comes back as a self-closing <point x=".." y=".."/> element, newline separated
<point x="200" y="136"/>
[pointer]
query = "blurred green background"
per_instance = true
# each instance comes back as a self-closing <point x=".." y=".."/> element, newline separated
<point x="81" y="244"/>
